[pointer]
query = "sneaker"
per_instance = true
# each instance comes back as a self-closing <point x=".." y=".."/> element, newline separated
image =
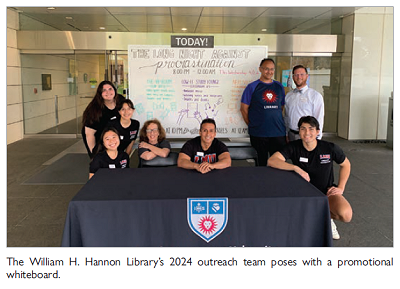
<point x="335" y="233"/>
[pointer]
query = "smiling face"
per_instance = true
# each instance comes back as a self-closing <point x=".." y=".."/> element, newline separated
<point x="207" y="133"/>
<point x="111" y="140"/>
<point x="152" y="133"/>
<point x="108" y="93"/>
<point x="308" y="133"/>
<point x="300" y="77"/>
<point x="126" y="112"/>
<point x="267" y="70"/>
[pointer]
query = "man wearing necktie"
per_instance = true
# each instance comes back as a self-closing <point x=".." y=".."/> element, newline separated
<point x="302" y="101"/>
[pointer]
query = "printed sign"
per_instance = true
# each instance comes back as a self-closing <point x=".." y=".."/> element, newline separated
<point x="207" y="217"/>
<point x="192" y="41"/>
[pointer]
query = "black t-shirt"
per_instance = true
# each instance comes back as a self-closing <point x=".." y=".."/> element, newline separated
<point x="102" y="161"/>
<point x="127" y="135"/>
<point x="317" y="163"/>
<point x="164" y="144"/>
<point x="193" y="149"/>
<point x="107" y="116"/>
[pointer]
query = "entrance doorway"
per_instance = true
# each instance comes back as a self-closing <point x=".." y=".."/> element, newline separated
<point x="57" y="88"/>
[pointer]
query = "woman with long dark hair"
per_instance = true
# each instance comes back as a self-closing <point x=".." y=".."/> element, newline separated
<point x="98" y="113"/>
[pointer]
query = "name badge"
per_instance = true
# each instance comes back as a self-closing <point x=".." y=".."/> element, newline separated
<point x="303" y="160"/>
<point x="200" y="154"/>
<point x="122" y="137"/>
<point x="111" y="166"/>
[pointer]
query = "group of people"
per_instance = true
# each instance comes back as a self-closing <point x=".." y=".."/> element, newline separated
<point x="281" y="128"/>
<point x="289" y="127"/>
<point x="109" y="132"/>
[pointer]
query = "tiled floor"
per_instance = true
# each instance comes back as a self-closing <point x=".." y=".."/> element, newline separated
<point x="36" y="213"/>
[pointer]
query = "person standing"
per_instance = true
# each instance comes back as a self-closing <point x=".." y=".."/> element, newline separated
<point x="98" y="113"/>
<point x="262" y="106"/>
<point x="127" y="127"/>
<point x="302" y="101"/>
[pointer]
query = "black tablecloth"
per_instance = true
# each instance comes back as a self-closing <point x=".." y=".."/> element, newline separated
<point x="148" y="207"/>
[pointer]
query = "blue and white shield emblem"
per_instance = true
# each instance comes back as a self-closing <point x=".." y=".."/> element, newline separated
<point x="207" y="217"/>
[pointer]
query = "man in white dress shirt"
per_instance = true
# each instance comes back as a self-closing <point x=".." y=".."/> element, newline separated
<point x="302" y="101"/>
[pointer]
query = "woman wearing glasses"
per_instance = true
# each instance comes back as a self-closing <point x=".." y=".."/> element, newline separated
<point x="152" y="141"/>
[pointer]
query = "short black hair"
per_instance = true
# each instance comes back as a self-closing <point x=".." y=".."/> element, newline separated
<point x="310" y="120"/>
<point x="127" y="101"/>
<point x="299" y="66"/>
<point x="267" y="59"/>
<point x="208" y="120"/>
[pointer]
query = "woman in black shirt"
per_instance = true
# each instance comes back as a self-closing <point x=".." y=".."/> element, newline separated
<point x="127" y="128"/>
<point x="108" y="155"/>
<point x="98" y="113"/>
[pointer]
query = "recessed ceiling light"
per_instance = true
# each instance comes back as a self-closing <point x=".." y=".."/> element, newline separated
<point x="264" y="30"/>
<point x="184" y="29"/>
<point x="102" y="28"/>
<point x="51" y="8"/>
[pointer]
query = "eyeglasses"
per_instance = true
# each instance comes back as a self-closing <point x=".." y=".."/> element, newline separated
<point x="267" y="69"/>
<point x="152" y="130"/>
<point x="300" y="74"/>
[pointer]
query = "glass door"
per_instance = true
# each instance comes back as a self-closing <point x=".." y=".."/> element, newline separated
<point x="49" y="88"/>
<point x="118" y="70"/>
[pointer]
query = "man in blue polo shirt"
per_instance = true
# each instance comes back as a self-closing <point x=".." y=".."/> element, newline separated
<point x="261" y="106"/>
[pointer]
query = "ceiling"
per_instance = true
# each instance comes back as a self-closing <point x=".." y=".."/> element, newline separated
<point x="254" y="20"/>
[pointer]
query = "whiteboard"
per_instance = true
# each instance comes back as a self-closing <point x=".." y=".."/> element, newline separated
<point x="182" y="86"/>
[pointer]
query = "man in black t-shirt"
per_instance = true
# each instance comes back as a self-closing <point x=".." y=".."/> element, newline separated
<point x="313" y="160"/>
<point x="204" y="153"/>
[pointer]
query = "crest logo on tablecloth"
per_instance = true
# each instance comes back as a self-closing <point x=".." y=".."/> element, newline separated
<point x="207" y="217"/>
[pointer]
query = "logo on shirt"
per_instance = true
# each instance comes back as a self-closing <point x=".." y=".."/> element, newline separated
<point x="207" y="217"/>
<point x="211" y="158"/>
<point x="133" y="133"/>
<point x="325" y="159"/>
<point x="269" y="96"/>
<point x="123" y="163"/>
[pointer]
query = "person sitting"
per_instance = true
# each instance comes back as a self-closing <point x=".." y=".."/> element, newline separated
<point x="152" y="141"/>
<point x="127" y="127"/>
<point x="205" y="153"/>
<point x="108" y="155"/>
<point x="313" y="160"/>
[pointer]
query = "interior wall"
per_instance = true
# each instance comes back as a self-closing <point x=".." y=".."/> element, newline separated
<point x="68" y="85"/>
<point x="93" y="67"/>
<point x="387" y="72"/>
<point x="345" y="78"/>
<point x="15" y="126"/>
<point x="39" y="107"/>
<point x="372" y="73"/>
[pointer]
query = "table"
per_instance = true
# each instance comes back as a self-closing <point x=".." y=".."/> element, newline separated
<point x="147" y="207"/>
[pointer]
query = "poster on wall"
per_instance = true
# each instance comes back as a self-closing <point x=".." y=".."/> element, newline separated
<point x="182" y="86"/>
